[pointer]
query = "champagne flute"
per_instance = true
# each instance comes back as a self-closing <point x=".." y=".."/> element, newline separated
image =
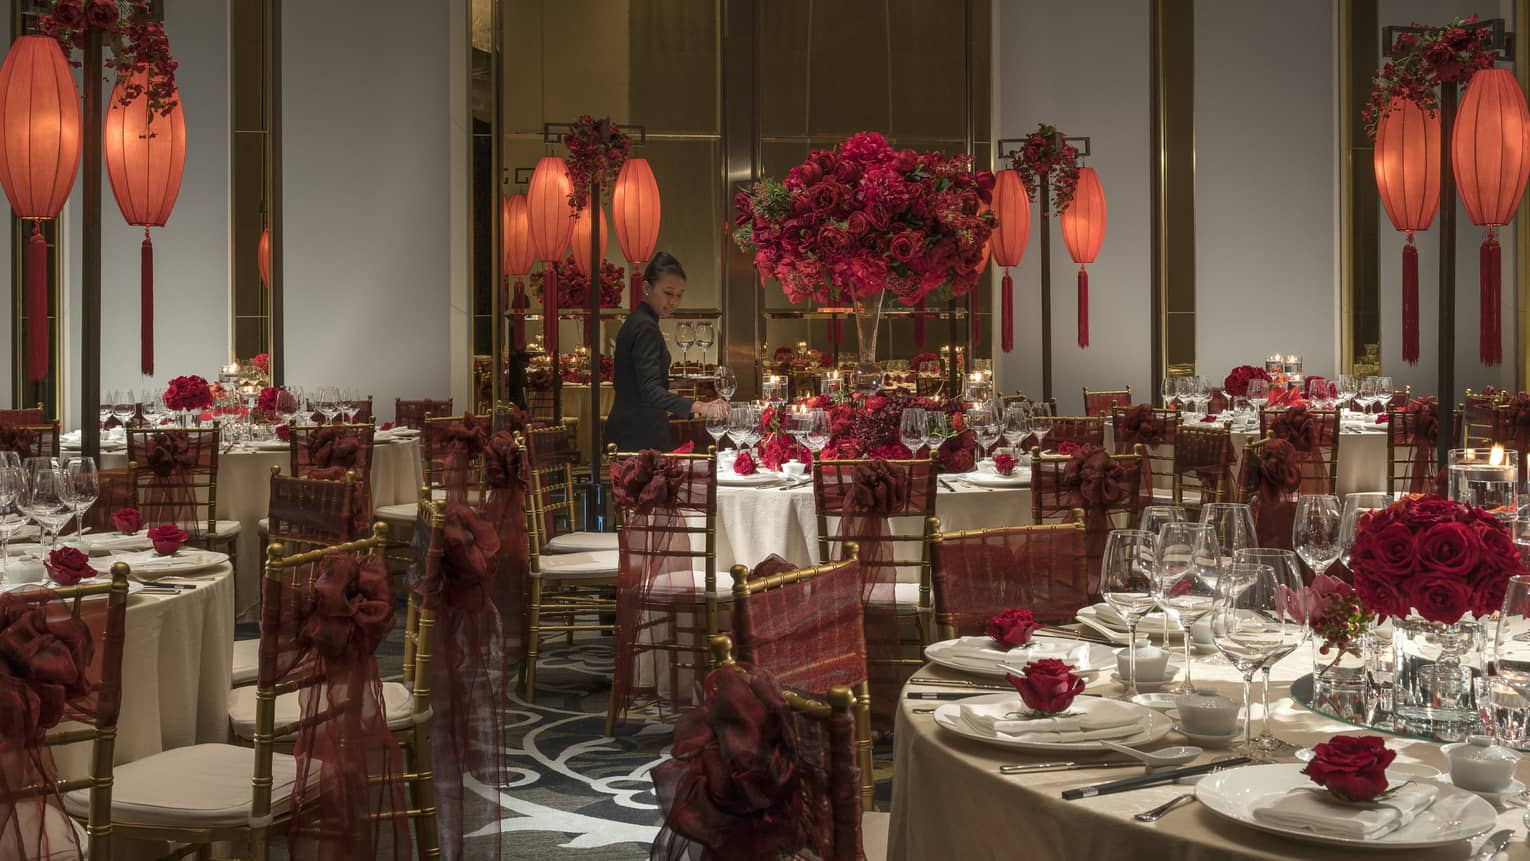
<point x="1357" y="505"/>
<point x="706" y="336"/>
<point x="1126" y="584"/>
<point x="1259" y="617"/>
<point x="913" y="430"/>
<point x="1315" y="532"/>
<point x="84" y="488"/>
<point x="1185" y="566"/>
<point x="1287" y="571"/>
<point x="685" y="336"/>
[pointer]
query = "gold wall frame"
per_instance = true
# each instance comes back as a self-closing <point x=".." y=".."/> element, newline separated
<point x="1172" y="56"/>
<point x="254" y="184"/>
<point x="1359" y="201"/>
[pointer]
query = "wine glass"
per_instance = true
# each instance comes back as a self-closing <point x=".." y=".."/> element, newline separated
<point x="1234" y="525"/>
<point x="738" y="423"/>
<point x="1287" y="570"/>
<point x="1126" y="584"/>
<point x="152" y="405"/>
<point x="706" y="336"/>
<point x="1017" y="425"/>
<point x="1258" y="395"/>
<point x="1347" y="388"/>
<point x="124" y="407"/>
<point x="1315" y="532"/>
<point x="1357" y="505"/>
<point x="11" y="519"/>
<point x="104" y="409"/>
<point x="727" y="384"/>
<point x="83" y="489"/>
<point x="1185" y="564"/>
<point x="817" y="435"/>
<point x="1365" y="396"/>
<point x="44" y="498"/>
<point x="1384" y="392"/>
<point x="937" y="425"/>
<point x="717" y="426"/>
<point x="328" y="399"/>
<point x="1153" y="519"/>
<point x="1041" y="422"/>
<point x="685" y="336"/>
<point x="913" y="430"/>
<point x="1168" y="389"/>
<point x="985" y="427"/>
<point x="1259" y="617"/>
<point x="349" y="404"/>
<point x="286" y="406"/>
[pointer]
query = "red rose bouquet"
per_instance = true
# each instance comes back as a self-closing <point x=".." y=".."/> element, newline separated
<point x="959" y="454"/>
<point x="1436" y="556"/>
<point x="1352" y="768"/>
<point x="1047" y="686"/>
<point x="127" y="520"/>
<point x="188" y="393"/>
<point x="1425" y="60"/>
<point x="1044" y="152"/>
<point x="262" y="362"/>
<point x="1012" y="628"/>
<point x="68" y="566"/>
<point x="1236" y="384"/>
<point x="266" y="401"/>
<point x="167" y="538"/>
<point x="1004" y="464"/>
<point x="863" y="218"/>
<point x="137" y="42"/>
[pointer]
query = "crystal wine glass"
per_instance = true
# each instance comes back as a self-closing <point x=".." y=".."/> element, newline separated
<point x="1234" y="525"/>
<point x="1153" y="519"/>
<point x="1315" y="532"/>
<point x="108" y="400"/>
<point x="11" y="518"/>
<point x="151" y="404"/>
<point x="350" y="404"/>
<point x="913" y="430"/>
<point x="738" y="424"/>
<point x="83" y="489"/>
<point x="1258" y="394"/>
<point x="717" y="427"/>
<point x="1185" y="566"/>
<point x="1347" y="388"/>
<point x="706" y="336"/>
<point x="1357" y="505"/>
<point x="1126" y="584"/>
<point x="1168" y="390"/>
<point x="1384" y="392"/>
<point x="124" y="408"/>
<point x="727" y="384"/>
<point x="328" y="398"/>
<point x="1017" y="425"/>
<point x="44" y="498"/>
<point x="985" y="427"/>
<point x="817" y="435"/>
<point x="1287" y="570"/>
<point x="685" y="336"/>
<point x="1258" y="618"/>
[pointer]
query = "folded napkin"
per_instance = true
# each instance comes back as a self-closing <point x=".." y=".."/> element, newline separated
<point x="148" y="563"/>
<point x="115" y="542"/>
<point x="1095" y="719"/>
<point x="1315" y="810"/>
<point x="983" y="649"/>
<point x="1151" y="622"/>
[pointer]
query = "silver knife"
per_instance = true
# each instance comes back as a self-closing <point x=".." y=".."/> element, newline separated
<point x="1493" y="845"/>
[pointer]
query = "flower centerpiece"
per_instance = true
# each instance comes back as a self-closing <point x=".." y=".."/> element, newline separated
<point x="867" y="426"/>
<point x="188" y="395"/>
<point x="1044" y="153"/>
<point x="1423" y="61"/>
<point x="1236" y="383"/>
<point x="137" y="42"/>
<point x="851" y="223"/>
<point x="1339" y="621"/>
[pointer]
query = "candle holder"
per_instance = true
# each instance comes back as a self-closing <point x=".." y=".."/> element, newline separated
<point x="773" y="390"/>
<point x="1274" y="364"/>
<point x="1487" y="479"/>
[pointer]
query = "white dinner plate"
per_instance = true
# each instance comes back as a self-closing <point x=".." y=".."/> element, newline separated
<point x="270" y="445"/>
<point x="993" y="479"/>
<point x="991" y="661"/>
<point x="116" y="542"/>
<point x="948" y="715"/>
<point x="148" y="564"/>
<point x="760" y="478"/>
<point x="1233" y="793"/>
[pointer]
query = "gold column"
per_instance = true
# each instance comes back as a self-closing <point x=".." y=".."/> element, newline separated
<point x="1359" y="202"/>
<point x="1173" y="185"/>
<point x="1522" y="223"/>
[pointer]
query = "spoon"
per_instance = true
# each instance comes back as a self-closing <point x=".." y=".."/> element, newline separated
<point x="1163" y="758"/>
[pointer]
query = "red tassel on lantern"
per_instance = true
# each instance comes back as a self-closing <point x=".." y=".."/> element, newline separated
<point x="37" y="304"/>
<point x="919" y="324"/>
<point x="1490" y="289"/>
<point x="1083" y="228"/>
<point x="146" y="306"/>
<point x="1410" y="302"/>
<point x="1407" y="164"/>
<point x="1083" y="308"/>
<point x="1007" y="312"/>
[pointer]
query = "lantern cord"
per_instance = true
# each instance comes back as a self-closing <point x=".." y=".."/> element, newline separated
<point x="1007" y="312"/>
<point x="1083" y="309"/>
<point x="37" y="304"/>
<point x="146" y="306"/>
<point x="1410" y="302"/>
<point x="518" y="319"/>
<point x="919" y="324"/>
<point x="1491" y="277"/>
<point x="637" y="284"/>
<point x="549" y="311"/>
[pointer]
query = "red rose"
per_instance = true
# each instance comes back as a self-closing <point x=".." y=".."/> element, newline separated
<point x="68" y="566"/>
<point x="903" y="247"/>
<point x="1440" y="598"/>
<point x="102" y="14"/>
<point x="1431" y="509"/>
<point x="1389" y="552"/>
<point x="959" y="453"/>
<point x="1449" y="548"/>
<point x="1353" y="768"/>
<point x="1048" y="686"/>
<point x="283" y="432"/>
<point x="386" y="426"/>
<point x="744" y="464"/>
<point x="1004" y="464"/>
<point x="127" y="520"/>
<point x="167" y="538"/>
<point x="1380" y="595"/>
<point x="1012" y="628"/>
<point x="68" y="14"/>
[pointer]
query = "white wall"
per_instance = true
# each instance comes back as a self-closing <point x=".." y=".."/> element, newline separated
<point x="1083" y="67"/>
<point x="1265" y="191"/>
<point x="366" y="241"/>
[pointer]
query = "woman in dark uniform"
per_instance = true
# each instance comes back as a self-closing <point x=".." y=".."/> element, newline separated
<point x="640" y="413"/>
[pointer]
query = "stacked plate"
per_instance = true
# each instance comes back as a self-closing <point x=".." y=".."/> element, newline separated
<point x="993" y="479"/>
<point x="149" y="565"/>
<point x="1103" y="619"/>
<point x="758" y="478"/>
<point x="979" y="655"/>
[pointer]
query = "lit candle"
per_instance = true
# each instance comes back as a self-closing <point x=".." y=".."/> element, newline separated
<point x="1489" y="483"/>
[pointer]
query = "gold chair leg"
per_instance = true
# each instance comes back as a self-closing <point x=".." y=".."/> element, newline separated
<point x="423" y="794"/>
<point x="533" y="637"/>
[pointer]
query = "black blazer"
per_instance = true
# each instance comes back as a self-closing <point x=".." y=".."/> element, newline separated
<point x="640" y="413"/>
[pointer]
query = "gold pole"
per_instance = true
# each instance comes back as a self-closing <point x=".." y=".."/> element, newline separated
<point x="1522" y="224"/>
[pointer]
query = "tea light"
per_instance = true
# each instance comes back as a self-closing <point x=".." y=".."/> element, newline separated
<point x="1274" y="363"/>
<point x="1293" y="364"/>
<point x="231" y="369"/>
<point x="1486" y="478"/>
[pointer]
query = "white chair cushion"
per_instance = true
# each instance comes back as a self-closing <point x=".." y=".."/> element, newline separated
<point x="562" y="566"/>
<point x="226" y="529"/>
<point x="205" y="785"/>
<point x="904" y="594"/>
<point x="583" y="542"/>
<point x="56" y="829"/>
<point x="397" y="702"/>
<point x="246" y="662"/>
<point x="403" y="511"/>
<point x="724" y="585"/>
<point x="874" y="839"/>
<point x="1163" y="496"/>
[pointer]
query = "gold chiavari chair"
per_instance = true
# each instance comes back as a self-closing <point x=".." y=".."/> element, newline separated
<point x="552" y="455"/>
<point x="161" y="498"/>
<point x="1082" y="430"/>
<point x="1052" y="502"/>
<point x="36" y="440"/>
<point x="1315" y="470"/>
<point x="1203" y="464"/>
<point x="86" y="799"/>
<point x="305" y="449"/>
<point x="804" y="626"/>
<point x="1101" y="402"/>
<point x="1160" y="457"/>
<point x="1480" y="421"/>
<point x="29" y="417"/>
<point x="412" y="414"/>
<point x="978" y="571"/>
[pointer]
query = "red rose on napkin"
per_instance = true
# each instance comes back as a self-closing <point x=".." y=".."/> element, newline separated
<point x="1048" y="686"/>
<point x="127" y="520"/>
<point x="1353" y="768"/>
<point x="1068" y="448"/>
<point x="744" y="464"/>
<point x="386" y="426"/>
<point x="167" y="538"/>
<point x="68" y="566"/>
<point x="1004" y="464"/>
<point x="1012" y="628"/>
<point x="1383" y="418"/>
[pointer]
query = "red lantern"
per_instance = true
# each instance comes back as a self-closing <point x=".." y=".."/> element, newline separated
<point x="1012" y="207"/>
<point x="263" y="257"/>
<point x="635" y="213"/>
<point x="581" y="238"/>
<point x="551" y="224"/>
<point x="1490" y="150"/>
<point x="518" y="258"/>
<point x="1408" y="177"/>
<point x="39" y="156"/>
<point x="145" y="157"/>
<point x="1083" y="227"/>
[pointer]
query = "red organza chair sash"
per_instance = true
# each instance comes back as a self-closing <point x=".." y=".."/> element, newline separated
<point x="412" y="414"/>
<point x="751" y="781"/>
<point x="1103" y="403"/>
<point x="1208" y="457"/>
<point x="1313" y="435"/>
<point x="1272" y="471"/>
<point x="1089" y="430"/>
<point x="33" y="416"/>
<point x="1039" y="568"/>
<point x="452" y="450"/>
<point x="808" y="633"/>
<point x="34" y="440"/>
<point x="174" y="476"/>
<point x="507" y="472"/>
<point x="1417" y="427"/>
<point x="1091" y="480"/>
<point x="317" y="510"/>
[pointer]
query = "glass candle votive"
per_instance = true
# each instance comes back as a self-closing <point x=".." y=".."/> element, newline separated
<point x="1274" y="364"/>
<point x="1486" y="478"/>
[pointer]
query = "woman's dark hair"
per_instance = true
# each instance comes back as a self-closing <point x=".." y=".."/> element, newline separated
<point x="663" y="263"/>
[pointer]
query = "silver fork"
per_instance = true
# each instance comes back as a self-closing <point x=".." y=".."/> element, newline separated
<point x="1157" y="813"/>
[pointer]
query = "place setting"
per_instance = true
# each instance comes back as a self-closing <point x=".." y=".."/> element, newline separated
<point x="1014" y="639"/>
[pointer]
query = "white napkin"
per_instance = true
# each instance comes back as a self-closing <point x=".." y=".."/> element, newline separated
<point x="1315" y="810"/>
<point x="984" y="650"/>
<point x="113" y="542"/>
<point x="1096" y="719"/>
<point x="1151" y="622"/>
<point x="149" y="562"/>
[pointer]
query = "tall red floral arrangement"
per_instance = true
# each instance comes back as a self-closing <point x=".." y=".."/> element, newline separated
<point x="596" y="149"/>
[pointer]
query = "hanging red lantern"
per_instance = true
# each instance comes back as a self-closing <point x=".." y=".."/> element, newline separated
<point x="39" y="156"/>
<point x="1490" y="155"/>
<point x="635" y="213"/>
<point x="581" y="239"/>
<point x="1012" y="208"/>
<point x="145" y="156"/>
<point x="1083" y="228"/>
<point x="1408" y="178"/>
<point x="517" y="259"/>
<point x="551" y="224"/>
<point x="263" y="258"/>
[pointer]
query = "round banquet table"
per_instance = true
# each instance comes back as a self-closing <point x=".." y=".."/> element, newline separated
<point x="244" y="489"/>
<point x="754" y="522"/>
<point x="950" y="801"/>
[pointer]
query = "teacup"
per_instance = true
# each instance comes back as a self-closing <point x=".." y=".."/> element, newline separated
<point x="1200" y="632"/>
<point x="794" y="468"/>
<point x="1207" y="713"/>
<point x="25" y="571"/>
<point x="1152" y="663"/>
<point x="1481" y="766"/>
<point x="986" y="466"/>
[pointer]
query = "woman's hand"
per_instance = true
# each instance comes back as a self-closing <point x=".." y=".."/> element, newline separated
<point x="717" y="409"/>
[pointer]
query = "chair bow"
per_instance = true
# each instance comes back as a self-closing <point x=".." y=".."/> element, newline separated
<point x="333" y="447"/>
<point x="1141" y="424"/>
<point x="43" y="666"/>
<point x="647" y="481"/>
<point x="353" y="609"/>
<point x="875" y="489"/>
<point x="1424" y="416"/>
<point x="1297" y="427"/>
<point x="1093" y="479"/>
<point x="17" y="439"/>
<point x="505" y="462"/>
<point x="169" y="452"/>
<point x="1280" y="471"/>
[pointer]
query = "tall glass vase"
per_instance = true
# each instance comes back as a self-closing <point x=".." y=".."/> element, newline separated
<point x="1435" y="665"/>
<point x="867" y="377"/>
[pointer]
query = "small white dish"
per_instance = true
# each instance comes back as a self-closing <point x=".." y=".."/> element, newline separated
<point x="1498" y="796"/>
<point x="1145" y="685"/>
<point x="1157" y="701"/>
<point x="1207" y="740"/>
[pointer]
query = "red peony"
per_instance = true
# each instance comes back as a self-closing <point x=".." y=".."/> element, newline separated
<point x="959" y="453"/>
<point x="68" y="566"/>
<point x="1353" y="768"/>
<point x="127" y="520"/>
<point x="1048" y="686"/>
<point x="167" y="538"/>
<point x="1012" y="628"/>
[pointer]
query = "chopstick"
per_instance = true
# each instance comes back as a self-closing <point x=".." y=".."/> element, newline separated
<point x="941" y="695"/>
<point x="957" y="683"/>
<point x="1032" y="767"/>
<point x="1129" y="783"/>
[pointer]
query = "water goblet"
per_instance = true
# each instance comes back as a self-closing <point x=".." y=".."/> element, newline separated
<point x="83" y="488"/>
<point x="1126" y="584"/>
<point x="1356" y="506"/>
<point x="913" y="429"/>
<point x="685" y="336"/>
<point x="727" y="383"/>
<point x="706" y="336"/>
<point x="1233" y="523"/>
<point x="817" y="435"/>
<point x="1287" y="570"/>
<point x="1186" y="560"/>
<point x="1315" y="533"/>
<point x="1258" y="617"/>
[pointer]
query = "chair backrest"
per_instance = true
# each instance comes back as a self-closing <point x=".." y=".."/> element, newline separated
<point x="1082" y="430"/>
<point x="412" y="414"/>
<point x="435" y="450"/>
<point x="115" y="493"/>
<point x="1054" y="498"/>
<point x="553" y="495"/>
<point x="540" y="403"/>
<point x="804" y="625"/>
<point x="163" y="494"/>
<point x="30" y="416"/>
<point x="92" y="718"/>
<point x="350" y="447"/>
<point x="693" y="431"/>
<point x="1160" y="455"/>
<point x="906" y="543"/>
<point x="1480" y="420"/>
<point x="311" y="512"/>
<point x="978" y="572"/>
<point x="1101" y="402"/>
<point x="35" y="440"/>
<point x="1320" y="472"/>
<point x="1203" y="464"/>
